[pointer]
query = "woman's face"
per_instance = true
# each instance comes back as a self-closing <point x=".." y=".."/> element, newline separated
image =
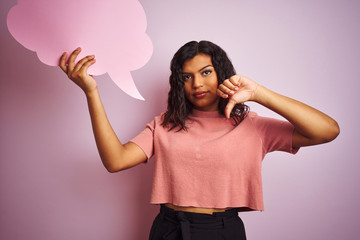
<point x="201" y="83"/>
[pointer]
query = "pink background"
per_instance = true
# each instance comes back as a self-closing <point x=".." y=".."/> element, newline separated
<point x="53" y="185"/>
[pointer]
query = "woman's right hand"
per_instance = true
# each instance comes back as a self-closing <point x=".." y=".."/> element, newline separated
<point x="78" y="72"/>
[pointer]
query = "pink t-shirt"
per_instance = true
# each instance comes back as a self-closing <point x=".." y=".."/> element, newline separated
<point x="213" y="164"/>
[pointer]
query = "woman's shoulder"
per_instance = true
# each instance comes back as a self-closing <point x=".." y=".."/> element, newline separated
<point x="159" y="117"/>
<point x="257" y="120"/>
<point x="157" y="121"/>
<point x="251" y="116"/>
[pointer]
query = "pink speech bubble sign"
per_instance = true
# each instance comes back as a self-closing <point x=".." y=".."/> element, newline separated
<point x="113" y="30"/>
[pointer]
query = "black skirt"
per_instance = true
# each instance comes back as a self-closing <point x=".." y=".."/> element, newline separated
<point x="178" y="225"/>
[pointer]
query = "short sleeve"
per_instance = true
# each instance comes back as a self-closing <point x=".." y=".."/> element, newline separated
<point x="276" y="134"/>
<point x="145" y="139"/>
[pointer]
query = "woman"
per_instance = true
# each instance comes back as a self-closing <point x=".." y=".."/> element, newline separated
<point x="207" y="146"/>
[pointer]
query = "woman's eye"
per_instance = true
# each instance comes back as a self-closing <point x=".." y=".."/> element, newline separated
<point x="186" y="77"/>
<point x="207" y="72"/>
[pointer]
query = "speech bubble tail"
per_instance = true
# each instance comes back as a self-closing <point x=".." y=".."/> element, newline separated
<point x="126" y="83"/>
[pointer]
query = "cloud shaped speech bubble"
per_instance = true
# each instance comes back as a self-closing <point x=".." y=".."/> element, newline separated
<point x="113" y="30"/>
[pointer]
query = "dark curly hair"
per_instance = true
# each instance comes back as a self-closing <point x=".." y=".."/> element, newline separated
<point x="179" y="107"/>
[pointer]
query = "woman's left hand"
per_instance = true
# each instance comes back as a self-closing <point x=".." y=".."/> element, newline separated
<point x="238" y="89"/>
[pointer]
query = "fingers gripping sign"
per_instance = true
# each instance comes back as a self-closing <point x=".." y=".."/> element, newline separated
<point x="238" y="89"/>
<point x="78" y="72"/>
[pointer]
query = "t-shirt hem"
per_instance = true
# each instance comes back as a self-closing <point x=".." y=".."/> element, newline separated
<point x="240" y="207"/>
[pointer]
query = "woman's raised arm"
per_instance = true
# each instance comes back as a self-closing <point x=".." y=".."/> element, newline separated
<point x="311" y="126"/>
<point x="114" y="155"/>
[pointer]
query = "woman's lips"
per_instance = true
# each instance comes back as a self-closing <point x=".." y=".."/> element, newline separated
<point x="199" y="94"/>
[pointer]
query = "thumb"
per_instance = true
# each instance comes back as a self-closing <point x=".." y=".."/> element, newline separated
<point x="229" y="107"/>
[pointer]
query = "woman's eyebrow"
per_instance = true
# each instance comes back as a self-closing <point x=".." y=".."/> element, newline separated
<point x="205" y="67"/>
<point x="199" y="69"/>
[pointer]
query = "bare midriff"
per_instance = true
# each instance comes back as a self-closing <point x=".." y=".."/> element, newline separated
<point x="196" y="209"/>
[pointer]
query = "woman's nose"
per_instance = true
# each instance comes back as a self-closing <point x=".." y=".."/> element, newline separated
<point x="198" y="82"/>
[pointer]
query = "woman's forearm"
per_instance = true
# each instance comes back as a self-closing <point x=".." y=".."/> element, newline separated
<point x="311" y="125"/>
<point x="114" y="155"/>
<point x="108" y="144"/>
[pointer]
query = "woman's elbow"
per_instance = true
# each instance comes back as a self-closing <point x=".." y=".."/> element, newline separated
<point x="113" y="166"/>
<point x="120" y="165"/>
<point x="112" y="170"/>
<point x="323" y="134"/>
<point x="117" y="167"/>
<point x="332" y="131"/>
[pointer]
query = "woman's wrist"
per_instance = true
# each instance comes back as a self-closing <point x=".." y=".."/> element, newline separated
<point x="260" y="95"/>
<point x="91" y="93"/>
